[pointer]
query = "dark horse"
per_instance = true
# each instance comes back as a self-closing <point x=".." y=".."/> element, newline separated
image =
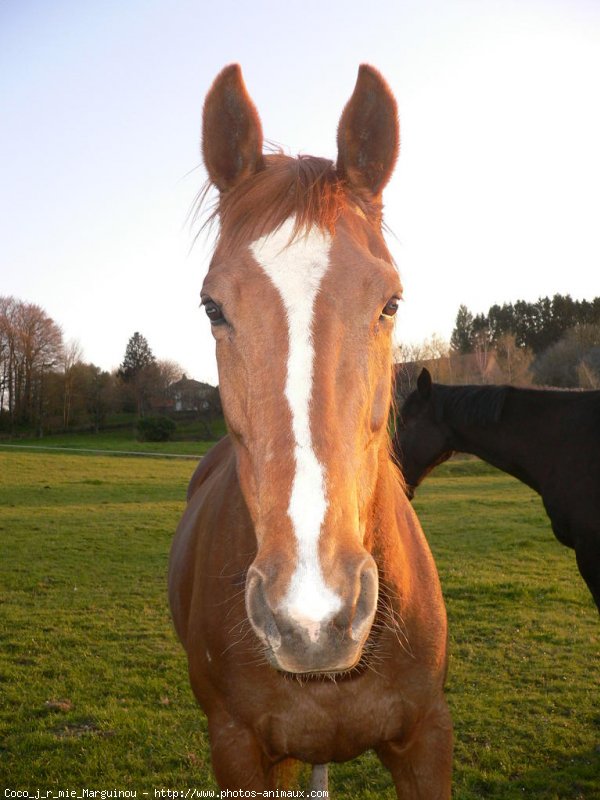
<point x="300" y="582"/>
<point x="546" y="438"/>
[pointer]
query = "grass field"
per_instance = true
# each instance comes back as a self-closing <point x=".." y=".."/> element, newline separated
<point x="187" y="440"/>
<point x="93" y="684"/>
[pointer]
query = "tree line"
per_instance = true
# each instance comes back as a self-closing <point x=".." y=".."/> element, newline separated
<point x="551" y="342"/>
<point x="46" y="385"/>
<point x="536" y="326"/>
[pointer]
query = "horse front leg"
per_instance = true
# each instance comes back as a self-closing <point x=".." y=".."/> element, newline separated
<point x="238" y="760"/>
<point x="422" y="767"/>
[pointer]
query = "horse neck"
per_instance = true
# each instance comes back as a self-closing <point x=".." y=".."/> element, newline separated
<point x="389" y="497"/>
<point x="506" y="444"/>
<point x="407" y="573"/>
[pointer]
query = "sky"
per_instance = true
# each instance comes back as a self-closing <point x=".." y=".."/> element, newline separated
<point x="496" y="195"/>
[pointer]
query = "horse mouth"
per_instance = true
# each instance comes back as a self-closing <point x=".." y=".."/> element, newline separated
<point x="366" y="659"/>
<point x="310" y="672"/>
<point x="334" y="675"/>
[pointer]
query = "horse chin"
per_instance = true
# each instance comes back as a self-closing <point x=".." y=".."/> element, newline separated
<point x="294" y="667"/>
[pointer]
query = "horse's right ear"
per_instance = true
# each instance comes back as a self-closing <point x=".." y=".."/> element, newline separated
<point x="231" y="131"/>
<point x="424" y="384"/>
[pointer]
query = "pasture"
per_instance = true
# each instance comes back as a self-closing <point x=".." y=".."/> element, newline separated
<point x="93" y="684"/>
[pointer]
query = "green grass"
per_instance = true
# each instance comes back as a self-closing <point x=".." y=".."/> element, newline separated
<point x="122" y="440"/>
<point x="93" y="684"/>
<point x="524" y="674"/>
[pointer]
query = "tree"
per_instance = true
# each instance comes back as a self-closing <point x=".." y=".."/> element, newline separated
<point x="167" y="372"/>
<point x="7" y="352"/>
<point x="138" y="356"/>
<point x="482" y="351"/>
<point x="138" y="370"/>
<point x="433" y="353"/>
<point x="514" y="361"/>
<point x="588" y="370"/>
<point x="569" y="359"/>
<point x="71" y="357"/>
<point x="30" y="347"/>
<point x="565" y="313"/>
<point x="429" y="349"/>
<point x="39" y="351"/>
<point x="100" y="393"/>
<point x="534" y="325"/>
<point x="461" y="340"/>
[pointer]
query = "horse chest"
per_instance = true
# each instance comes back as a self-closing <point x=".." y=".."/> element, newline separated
<point x="317" y="723"/>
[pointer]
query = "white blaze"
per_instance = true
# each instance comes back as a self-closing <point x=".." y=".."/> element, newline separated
<point x="297" y="270"/>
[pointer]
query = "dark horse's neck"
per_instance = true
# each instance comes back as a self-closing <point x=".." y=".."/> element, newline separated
<point x="513" y="429"/>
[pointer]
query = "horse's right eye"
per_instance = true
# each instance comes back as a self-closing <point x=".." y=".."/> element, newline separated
<point x="213" y="312"/>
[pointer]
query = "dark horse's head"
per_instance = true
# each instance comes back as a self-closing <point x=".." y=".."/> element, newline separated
<point x="423" y="439"/>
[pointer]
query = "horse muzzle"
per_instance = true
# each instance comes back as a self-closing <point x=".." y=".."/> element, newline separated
<point x="409" y="490"/>
<point x="298" y="643"/>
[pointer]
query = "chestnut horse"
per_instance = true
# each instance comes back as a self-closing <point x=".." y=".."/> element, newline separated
<point x="549" y="439"/>
<point x="300" y="582"/>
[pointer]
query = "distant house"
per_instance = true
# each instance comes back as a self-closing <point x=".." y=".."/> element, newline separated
<point x="186" y="394"/>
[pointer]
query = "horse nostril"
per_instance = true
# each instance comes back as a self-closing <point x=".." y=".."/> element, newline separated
<point x="259" y="612"/>
<point x="366" y="602"/>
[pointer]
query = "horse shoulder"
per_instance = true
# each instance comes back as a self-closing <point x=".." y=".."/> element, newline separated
<point x="209" y="481"/>
<point x="213" y="459"/>
<point x="424" y="576"/>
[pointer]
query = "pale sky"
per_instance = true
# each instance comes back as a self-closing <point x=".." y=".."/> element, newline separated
<point x="496" y="195"/>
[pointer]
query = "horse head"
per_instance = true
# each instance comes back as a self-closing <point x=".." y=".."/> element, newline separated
<point x="301" y="295"/>
<point x="422" y="439"/>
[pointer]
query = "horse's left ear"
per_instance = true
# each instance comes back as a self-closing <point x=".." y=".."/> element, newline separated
<point x="424" y="384"/>
<point x="368" y="135"/>
<point x="231" y="131"/>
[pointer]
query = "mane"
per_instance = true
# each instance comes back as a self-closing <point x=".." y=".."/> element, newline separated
<point x="307" y="188"/>
<point x="471" y="405"/>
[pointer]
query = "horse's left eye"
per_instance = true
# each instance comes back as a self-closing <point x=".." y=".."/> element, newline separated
<point x="391" y="307"/>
